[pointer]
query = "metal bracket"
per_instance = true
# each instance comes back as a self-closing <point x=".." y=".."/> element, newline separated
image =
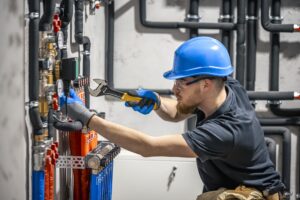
<point x="226" y="17"/>
<point x="192" y="17"/>
<point x="251" y="18"/>
<point x="277" y="18"/>
<point x="73" y="162"/>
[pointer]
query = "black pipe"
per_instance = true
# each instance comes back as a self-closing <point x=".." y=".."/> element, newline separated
<point x="286" y="151"/>
<point x="288" y="112"/>
<point x="176" y="25"/>
<point x="240" y="42"/>
<point x="85" y="41"/>
<point x="283" y="121"/>
<point x="193" y="16"/>
<point x="34" y="11"/>
<point x="274" y="65"/>
<point x="268" y="25"/>
<point x="67" y="13"/>
<point x="51" y="129"/>
<point x="271" y="95"/>
<point x="251" y="44"/>
<point x="66" y="17"/>
<point x="226" y="16"/>
<point x="109" y="50"/>
<point x="271" y="145"/>
<point x="109" y="43"/>
<point x="46" y="19"/>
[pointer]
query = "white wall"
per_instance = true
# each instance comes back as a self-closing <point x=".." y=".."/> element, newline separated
<point x="12" y="120"/>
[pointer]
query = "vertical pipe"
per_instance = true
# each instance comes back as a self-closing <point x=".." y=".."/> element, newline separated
<point x="251" y="44"/>
<point x="240" y="43"/>
<point x="38" y="187"/>
<point x="193" y="16"/>
<point x="226" y="16"/>
<point x="93" y="187"/>
<point x="109" y="42"/>
<point x="275" y="47"/>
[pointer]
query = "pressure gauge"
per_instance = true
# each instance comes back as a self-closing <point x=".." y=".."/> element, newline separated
<point x="59" y="87"/>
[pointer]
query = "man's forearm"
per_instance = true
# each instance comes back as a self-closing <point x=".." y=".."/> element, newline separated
<point x="125" y="137"/>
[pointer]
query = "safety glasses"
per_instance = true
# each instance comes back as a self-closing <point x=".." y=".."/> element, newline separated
<point x="182" y="82"/>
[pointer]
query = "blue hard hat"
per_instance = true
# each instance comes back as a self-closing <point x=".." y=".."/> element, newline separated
<point x="200" y="56"/>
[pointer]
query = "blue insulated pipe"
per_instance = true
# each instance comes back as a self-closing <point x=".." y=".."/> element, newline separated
<point x="38" y="185"/>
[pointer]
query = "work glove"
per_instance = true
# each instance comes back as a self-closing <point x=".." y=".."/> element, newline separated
<point x="146" y="104"/>
<point x="74" y="108"/>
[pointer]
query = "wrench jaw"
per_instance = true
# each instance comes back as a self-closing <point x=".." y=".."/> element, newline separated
<point x="99" y="91"/>
<point x="103" y="89"/>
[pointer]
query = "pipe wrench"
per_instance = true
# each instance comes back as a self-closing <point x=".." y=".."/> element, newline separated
<point x="103" y="89"/>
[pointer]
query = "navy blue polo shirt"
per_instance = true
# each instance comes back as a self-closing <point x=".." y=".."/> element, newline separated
<point x="230" y="145"/>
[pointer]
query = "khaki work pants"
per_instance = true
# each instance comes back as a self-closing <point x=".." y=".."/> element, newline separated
<point x="239" y="193"/>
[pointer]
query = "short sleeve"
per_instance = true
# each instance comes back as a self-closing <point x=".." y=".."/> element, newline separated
<point x="210" y="141"/>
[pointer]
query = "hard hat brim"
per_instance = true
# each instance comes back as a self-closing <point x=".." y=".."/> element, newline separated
<point x="205" y="71"/>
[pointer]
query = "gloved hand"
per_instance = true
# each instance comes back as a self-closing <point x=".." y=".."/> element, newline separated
<point x="146" y="105"/>
<point x="74" y="108"/>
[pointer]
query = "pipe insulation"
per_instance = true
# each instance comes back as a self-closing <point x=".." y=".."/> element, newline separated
<point x="47" y="18"/>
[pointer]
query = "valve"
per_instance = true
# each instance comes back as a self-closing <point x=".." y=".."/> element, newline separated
<point x="56" y="23"/>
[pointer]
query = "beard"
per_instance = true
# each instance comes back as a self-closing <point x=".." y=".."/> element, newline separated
<point x="185" y="109"/>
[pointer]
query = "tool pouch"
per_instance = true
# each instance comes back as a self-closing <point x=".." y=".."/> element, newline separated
<point x="239" y="193"/>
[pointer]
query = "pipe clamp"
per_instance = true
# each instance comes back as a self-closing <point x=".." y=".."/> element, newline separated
<point x="192" y="17"/>
<point x="274" y="102"/>
<point x="226" y="17"/>
<point x="34" y="15"/>
<point x="251" y="18"/>
<point x="33" y="104"/>
<point x="85" y="53"/>
<point x="276" y="18"/>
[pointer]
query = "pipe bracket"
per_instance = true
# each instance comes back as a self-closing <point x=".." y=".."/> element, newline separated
<point x="86" y="53"/>
<point x="276" y="18"/>
<point x="33" y="15"/>
<point x="221" y="17"/>
<point x="190" y="17"/>
<point x="252" y="18"/>
<point x="33" y="104"/>
<point x="274" y="102"/>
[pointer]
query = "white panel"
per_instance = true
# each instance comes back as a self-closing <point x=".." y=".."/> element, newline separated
<point x="137" y="178"/>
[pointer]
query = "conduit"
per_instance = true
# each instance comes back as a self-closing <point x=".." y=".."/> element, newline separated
<point x="286" y="151"/>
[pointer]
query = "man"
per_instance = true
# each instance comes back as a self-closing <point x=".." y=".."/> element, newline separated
<point x="228" y="142"/>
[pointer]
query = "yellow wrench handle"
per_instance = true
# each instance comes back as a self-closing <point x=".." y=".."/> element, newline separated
<point x="127" y="97"/>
